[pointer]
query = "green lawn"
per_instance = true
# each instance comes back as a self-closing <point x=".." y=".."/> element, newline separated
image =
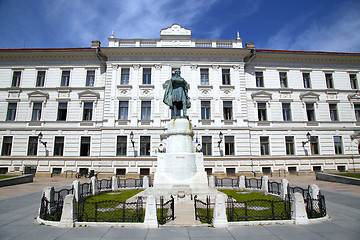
<point x="242" y="196"/>
<point x="7" y="176"/>
<point x="120" y="196"/>
<point x="353" y="175"/>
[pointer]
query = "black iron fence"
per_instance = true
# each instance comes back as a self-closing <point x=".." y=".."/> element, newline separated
<point x="166" y="210"/>
<point x="104" y="185"/>
<point x="203" y="210"/>
<point x="130" y="183"/>
<point x="315" y="207"/>
<point x="274" y="187"/>
<point x="260" y="209"/>
<point x="50" y="210"/>
<point x="226" y="182"/>
<point x="85" y="190"/>
<point x="111" y="211"/>
<point x="295" y="189"/>
<point x="253" y="183"/>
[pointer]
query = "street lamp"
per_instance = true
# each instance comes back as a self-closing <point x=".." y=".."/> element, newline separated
<point x="131" y="139"/>
<point x="308" y="136"/>
<point x="40" y="135"/>
<point x="221" y="138"/>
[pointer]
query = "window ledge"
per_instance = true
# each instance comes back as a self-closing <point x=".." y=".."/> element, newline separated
<point x="145" y="121"/>
<point x="86" y="123"/>
<point x="227" y="87"/>
<point x="122" y="121"/>
<point x="229" y="122"/>
<point x="205" y="87"/>
<point x="206" y="121"/>
<point x="312" y="123"/>
<point x="125" y="86"/>
<point x="263" y="123"/>
<point x="146" y="86"/>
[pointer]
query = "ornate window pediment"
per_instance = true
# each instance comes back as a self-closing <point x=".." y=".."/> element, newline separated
<point x="38" y="96"/>
<point x="354" y="97"/>
<point x="261" y="96"/>
<point x="89" y="95"/>
<point x="309" y="97"/>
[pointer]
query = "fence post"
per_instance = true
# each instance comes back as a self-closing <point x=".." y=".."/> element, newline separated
<point x="298" y="210"/>
<point x="314" y="191"/>
<point x="76" y="187"/>
<point x="284" y="188"/>
<point x="114" y="183"/>
<point x="219" y="217"/>
<point x="242" y="182"/>
<point x="150" y="213"/>
<point x="94" y="186"/>
<point x="145" y="183"/>
<point x="49" y="193"/>
<point x="68" y="216"/>
<point x="211" y="181"/>
<point x="265" y="185"/>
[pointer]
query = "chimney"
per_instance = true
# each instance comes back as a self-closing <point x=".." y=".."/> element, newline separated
<point x="250" y="45"/>
<point x="95" y="44"/>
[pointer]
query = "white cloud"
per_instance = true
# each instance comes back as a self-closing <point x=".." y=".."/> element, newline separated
<point x="337" y="32"/>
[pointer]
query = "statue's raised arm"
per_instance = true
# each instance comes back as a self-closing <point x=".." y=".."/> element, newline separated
<point x="176" y="94"/>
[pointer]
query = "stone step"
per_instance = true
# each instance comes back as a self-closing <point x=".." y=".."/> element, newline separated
<point x="184" y="215"/>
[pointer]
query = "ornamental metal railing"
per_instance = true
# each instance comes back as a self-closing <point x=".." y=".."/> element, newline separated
<point x="166" y="210"/>
<point x="226" y="182"/>
<point x="315" y="207"/>
<point x="253" y="183"/>
<point x="203" y="210"/>
<point x="130" y="183"/>
<point x="85" y="190"/>
<point x="104" y="185"/>
<point x="274" y="187"/>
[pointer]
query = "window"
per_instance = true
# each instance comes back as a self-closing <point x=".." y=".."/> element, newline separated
<point x="333" y="112"/>
<point x="62" y="111"/>
<point x="207" y="145"/>
<point x="289" y="141"/>
<point x="144" y="145"/>
<point x="283" y="80"/>
<point x="33" y="146"/>
<point x="306" y="80"/>
<point x="147" y="76"/>
<point x="16" y="79"/>
<point x="204" y="76"/>
<point x="65" y="78"/>
<point x="338" y="145"/>
<point x="329" y="80"/>
<point x="229" y="145"/>
<point x="125" y="76"/>
<point x="123" y="110"/>
<point x="357" y="111"/>
<point x="40" y="81"/>
<point x="353" y="81"/>
<point x="59" y="146"/>
<point x="310" y="112"/>
<point x="262" y="112"/>
<point x="90" y="78"/>
<point x="286" y="111"/>
<point x="88" y="111"/>
<point x="146" y="110"/>
<point x="6" y="146"/>
<point x="264" y="146"/>
<point x="36" y="116"/>
<point x="227" y="108"/>
<point x="226" y="76"/>
<point x="85" y="146"/>
<point x="205" y="109"/>
<point x="11" y="114"/>
<point x="121" y="146"/>
<point x="259" y="79"/>
<point x="314" y="145"/>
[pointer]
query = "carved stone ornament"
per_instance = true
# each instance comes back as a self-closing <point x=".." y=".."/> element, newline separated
<point x="215" y="67"/>
<point x="158" y="66"/>
<point x="136" y="66"/>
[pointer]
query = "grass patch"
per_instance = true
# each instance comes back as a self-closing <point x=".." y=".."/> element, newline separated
<point x="353" y="175"/>
<point x="247" y="196"/>
<point x="7" y="176"/>
<point x="120" y="196"/>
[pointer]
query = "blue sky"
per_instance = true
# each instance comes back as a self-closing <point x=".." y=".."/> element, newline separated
<point x="319" y="25"/>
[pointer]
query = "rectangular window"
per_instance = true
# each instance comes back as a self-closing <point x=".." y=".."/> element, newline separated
<point x="85" y="146"/>
<point x="310" y="112"/>
<point x="353" y="81"/>
<point x="147" y="76"/>
<point x="286" y="111"/>
<point x="6" y="146"/>
<point x="226" y="77"/>
<point x="306" y="80"/>
<point x="125" y="76"/>
<point x="11" y="114"/>
<point x="88" y="111"/>
<point x="36" y="116"/>
<point x="205" y="109"/>
<point x="333" y="112"/>
<point x="144" y="145"/>
<point x="262" y="116"/>
<point x="59" y="146"/>
<point x="204" y="76"/>
<point x="283" y="79"/>
<point x="264" y="145"/>
<point x="329" y="80"/>
<point x="40" y="81"/>
<point x="338" y="145"/>
<point x="207" y="145"/>
<point x="227" y="108"/>
<point x="90" y="78"/>
<point x="65" y="78"/>
<point x="123" y="110"/>
<point x="146" y="110"/>
<point x="289" y="141"/>
<point x="16" y="79"/>
<point x="229" y="145"/>
<point x="314" y="144"/>
<point x="62" y="111"/>
<point x="121" y="146"/>
<point x="33" y="146"/>
<point x="357" y="111"/>
<point x="259" y="79"/>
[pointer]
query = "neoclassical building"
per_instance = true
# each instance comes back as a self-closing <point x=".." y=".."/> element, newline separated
<point x="253" y="110"/>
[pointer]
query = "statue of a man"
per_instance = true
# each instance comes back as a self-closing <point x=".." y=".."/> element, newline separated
<point x="176" y="94"/>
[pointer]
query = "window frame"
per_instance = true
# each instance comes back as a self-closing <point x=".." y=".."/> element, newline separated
<point x="145" y="110"/>
<point x="125" y="76"/>
<point x="40" y="79"/>
<point x="310" y="112"/>
<point x="229" y="143"/>
<point x="65" y="78"/>
<point x="357" y="112"/>
<point x="264" y="146"/>
<point x="262" y="111"/>
<point x="329" y="80"/>
<point x="226" y="76"/>
<point x="59" y="144"/>
<point x="314" y="145"/>
<point x="146" y="76"/>
<point x="6" y="149"/>
<point x="121" y="145"/>
<point x="145" y="146"/>
<point x="204" y="76"/>
<point x="205" y="110"/>
<point x="16" y="79"/>
<point x="33" y="145"/>
<point x="259" y="80"/>
<point x="11" y="112"/>
<point x="85" y="146"/>
<point x="90" y="78"/>
<point x="123" y="110"/>
<point x="62" y="111"/>
<point x="306" y="79"/>
<point x="87" y="111"/>
<point x="283" y="80"/>
<point x="206" y="145"/>
<point x="36" y="112"/>
<point x="353" y="81"/>
<point x="334" y="117"/>
<point x="338" y="148"/>
<point x="286" y="112"/>
<point x="290" y="145"/>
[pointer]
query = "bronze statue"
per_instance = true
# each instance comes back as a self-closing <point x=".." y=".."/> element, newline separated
<point x="176" y="94"/>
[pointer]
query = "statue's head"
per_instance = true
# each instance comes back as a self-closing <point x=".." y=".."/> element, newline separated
<point x="177" y="72"/>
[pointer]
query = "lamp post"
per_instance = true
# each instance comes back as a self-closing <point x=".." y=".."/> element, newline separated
<point x="131" y="139"/>
<point x="221" y="138"/>
<point x="308" y="136"/>
<point x="40" y="135"/>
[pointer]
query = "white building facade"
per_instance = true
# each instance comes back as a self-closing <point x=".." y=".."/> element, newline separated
<point x="101" y="108"/>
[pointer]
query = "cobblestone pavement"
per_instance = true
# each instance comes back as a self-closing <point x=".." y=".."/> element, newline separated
<point x="19" y="206"/>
